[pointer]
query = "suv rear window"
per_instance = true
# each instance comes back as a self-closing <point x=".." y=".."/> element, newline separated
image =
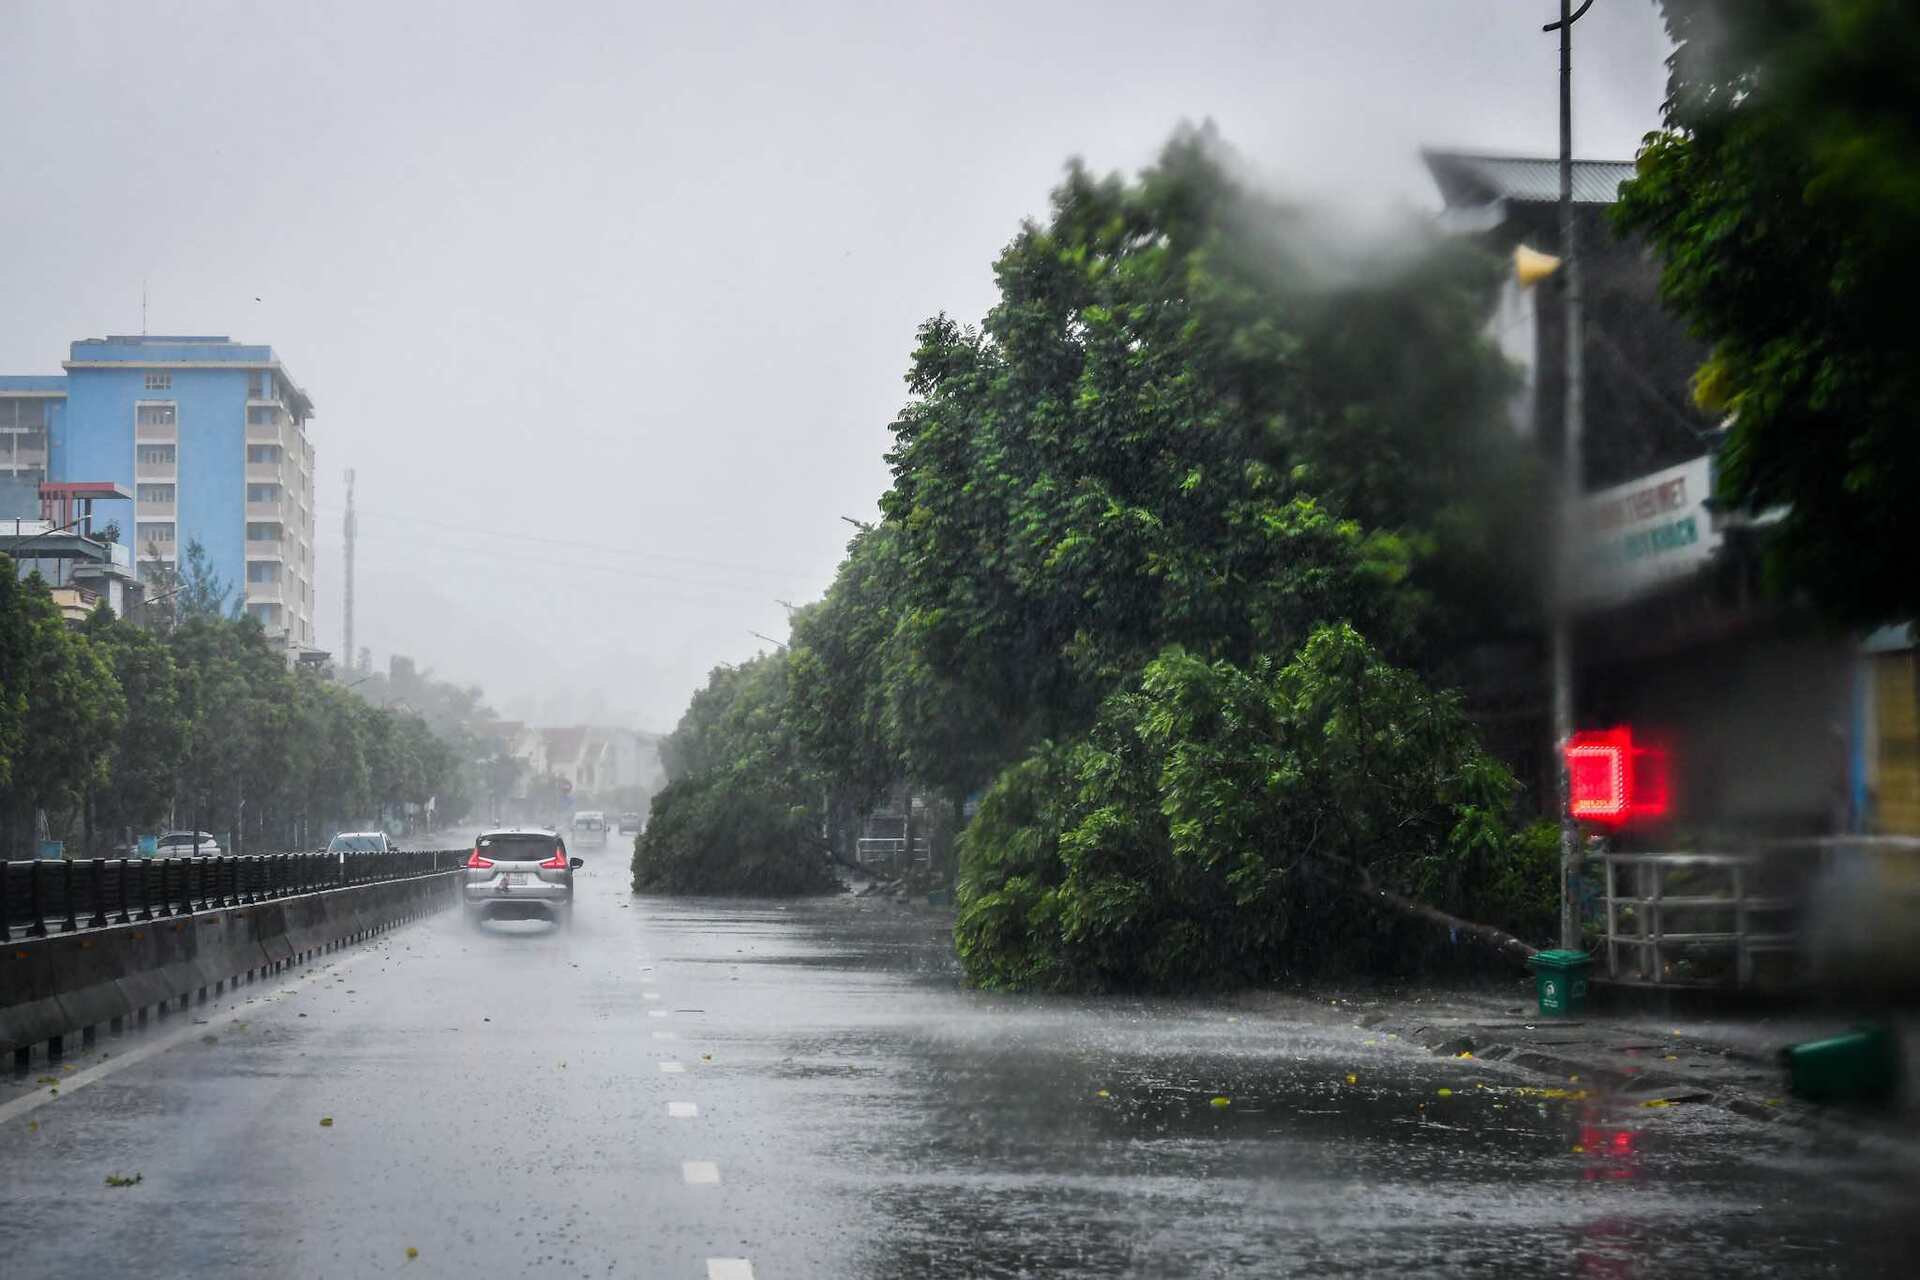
<point x="528" y="848"/>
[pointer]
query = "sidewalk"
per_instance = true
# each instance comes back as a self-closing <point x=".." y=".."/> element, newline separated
<point x="1726" y="1061"/>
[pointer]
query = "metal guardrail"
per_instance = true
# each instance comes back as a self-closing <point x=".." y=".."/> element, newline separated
<point x="1657" y="935"/>
<point x="52" y="896"/>
<point x="1722" y="919"/>
<point x="870" y="849"/>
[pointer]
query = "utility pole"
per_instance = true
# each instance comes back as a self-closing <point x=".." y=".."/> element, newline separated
<point x="1571" y="485"/>
<point x="346" y="610"/>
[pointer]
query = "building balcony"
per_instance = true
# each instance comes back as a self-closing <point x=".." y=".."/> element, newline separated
<point x="265" y="592"/>
<point x="266" y="433"/>
<point x="156" y="432"/>
<point x="266" y="549"/>
<point x="154" y="510"/>
<point x="266" y="510"/>
<point x="156" y="471"/>
<point x="266" y="473"/>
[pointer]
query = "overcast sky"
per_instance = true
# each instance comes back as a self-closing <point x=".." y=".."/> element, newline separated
<point x="609" y="303"/>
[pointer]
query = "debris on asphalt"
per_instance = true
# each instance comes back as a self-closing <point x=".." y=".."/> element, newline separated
<point x="116" y="1180"/>
<point x="326" y="1122"/>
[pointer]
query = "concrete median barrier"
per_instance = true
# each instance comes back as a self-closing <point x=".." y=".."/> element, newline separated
<point x="56" y="986"/>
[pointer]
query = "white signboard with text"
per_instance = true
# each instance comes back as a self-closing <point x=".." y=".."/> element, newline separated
<point x="1637" y="536"/>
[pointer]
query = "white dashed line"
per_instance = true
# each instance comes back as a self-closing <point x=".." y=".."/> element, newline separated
<point x="673" y="1068"/>
<point x="700" y="1173"/>
<point x="682" y="1110"/>
<point x="656" y="1013"/>
<point x="666" y="1035"/>
<point x="649" y="995"/>
<point x="729" y="1269"/>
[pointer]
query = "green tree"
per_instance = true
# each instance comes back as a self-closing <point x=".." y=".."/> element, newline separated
<point x="1229" y="824"/>
<point x="1178" y="424"/>
<point x="1784" y="199"/>
<point x="14" y="634"/>
<point x="72" y="709"/>
<point x="740" y="813"/>
<point x="152" y="738"/>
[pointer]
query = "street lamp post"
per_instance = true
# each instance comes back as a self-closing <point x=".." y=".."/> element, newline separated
<point x="1571" y="483"/>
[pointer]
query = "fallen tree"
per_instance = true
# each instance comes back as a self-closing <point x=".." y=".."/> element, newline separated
<point x="1228" y="825"/>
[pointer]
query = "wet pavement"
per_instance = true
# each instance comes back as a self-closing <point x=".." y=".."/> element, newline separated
<point x="728" y="1089"/>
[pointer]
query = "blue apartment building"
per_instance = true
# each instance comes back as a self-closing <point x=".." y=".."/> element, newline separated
<point x="209" y="434"/>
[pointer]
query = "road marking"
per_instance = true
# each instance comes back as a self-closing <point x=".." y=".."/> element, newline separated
<point x="666" y="1035"/>
<point x="673" y="1068"/>
<point x="700" y="1173"/>
<point x="161" y="1042"/>
<point x="682" y="1110"/>
<point x="649" y="995"/>
<point x="729" y="1269"/>
<point x="656" y="1013"/>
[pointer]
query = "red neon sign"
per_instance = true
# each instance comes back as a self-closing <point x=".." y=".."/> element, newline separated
<point x="1612" y="781"/>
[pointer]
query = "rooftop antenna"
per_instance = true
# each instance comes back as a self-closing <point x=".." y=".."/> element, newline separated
<point x="346" y="621"/>
<point x="143" y="307"/>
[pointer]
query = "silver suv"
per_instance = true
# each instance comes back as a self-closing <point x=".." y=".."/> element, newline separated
<point x="519" y="873"/>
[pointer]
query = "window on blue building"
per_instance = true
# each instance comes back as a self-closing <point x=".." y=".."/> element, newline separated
<point x="158" y="381"/>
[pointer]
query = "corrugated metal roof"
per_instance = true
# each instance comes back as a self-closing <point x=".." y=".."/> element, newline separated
<point x="1466" y="178"/>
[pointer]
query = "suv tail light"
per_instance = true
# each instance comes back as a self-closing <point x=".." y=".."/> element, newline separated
<point x="476" y="861"/>
<point x="558" y="862"/>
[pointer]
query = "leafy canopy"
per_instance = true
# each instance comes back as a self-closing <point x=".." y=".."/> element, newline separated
<point x="1225" y="823"/>
<point x="1784" y="199"/>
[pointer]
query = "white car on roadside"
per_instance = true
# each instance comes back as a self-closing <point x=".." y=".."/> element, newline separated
<point x="188" y="844"/>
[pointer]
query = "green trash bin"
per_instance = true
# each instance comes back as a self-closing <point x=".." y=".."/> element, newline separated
<point x="1862" y="1065"/>
<point x="1560" y="980"/>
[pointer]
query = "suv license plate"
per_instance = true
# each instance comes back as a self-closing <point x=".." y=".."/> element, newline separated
<point x="517" y="877"/>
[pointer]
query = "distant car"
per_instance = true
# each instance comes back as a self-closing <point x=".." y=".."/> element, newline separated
<point x="360" y="842"/>
<point x="188" y="844"/>
<point x="590" y="826"/>
<point x="629" y="822"/>
<point x="518" y="873"/>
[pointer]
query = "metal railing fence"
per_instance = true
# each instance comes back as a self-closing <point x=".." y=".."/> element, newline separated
<point x="51" y="896"/>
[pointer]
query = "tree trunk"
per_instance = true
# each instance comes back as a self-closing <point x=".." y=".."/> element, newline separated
<point x="1365" y="886"/>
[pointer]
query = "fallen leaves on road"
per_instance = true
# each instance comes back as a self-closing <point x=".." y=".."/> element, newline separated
<point x="326" y="1122"/>
<point x="116" y="1180"/>
<point x="1103" y="1094"/>
<point x="1352" y="1078"/>
<point x="1445" y="1093"/>
<point x="412" y="1253"/>
<point x="1221" y="1102"/>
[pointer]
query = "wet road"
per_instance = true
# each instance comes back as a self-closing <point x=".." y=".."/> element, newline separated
<point x="747" y="1089"/>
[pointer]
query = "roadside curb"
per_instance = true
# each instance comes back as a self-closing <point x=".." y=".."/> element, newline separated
<point x="1658" y="1087"/>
